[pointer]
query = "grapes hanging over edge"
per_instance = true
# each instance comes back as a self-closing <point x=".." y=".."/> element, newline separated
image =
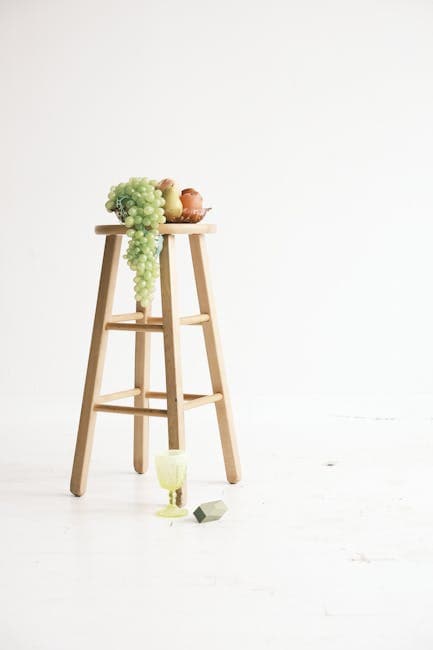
<point x="139" y="205"/>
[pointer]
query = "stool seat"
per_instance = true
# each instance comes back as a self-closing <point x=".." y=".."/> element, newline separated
<point x="164" y="229"/>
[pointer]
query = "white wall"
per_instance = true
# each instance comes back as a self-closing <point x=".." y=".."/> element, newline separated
<point x="306" y="125"/>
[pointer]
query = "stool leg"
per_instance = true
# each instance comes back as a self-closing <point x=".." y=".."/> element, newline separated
<point x="173" y="374"/>
<point x="215" y="360"/>
<point x="142" y="375"/>
<point x="95" y="365"/>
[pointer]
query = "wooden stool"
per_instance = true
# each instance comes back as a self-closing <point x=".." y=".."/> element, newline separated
<point x="144" y="325"/>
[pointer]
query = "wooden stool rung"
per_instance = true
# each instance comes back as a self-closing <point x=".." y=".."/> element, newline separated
<point x="197" y="319"/>
<point x="152" y="394"/>
<point x="153" y="324"/>
<point x="194" y="320"/>
<point x="133" y="327"/>
<point x="120" y="318"/>
<point x="200" y="401"/>
<point x="130" y="410"/>
<point x="121" y="394"/>
<point x="160" y="395"/>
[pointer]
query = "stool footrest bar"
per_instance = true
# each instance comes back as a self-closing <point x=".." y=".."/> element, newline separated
<point x="191" y="401"/>
<point x="197" y="319"/>
<point x="194" y="320"/>
<point x="133" y="327"/>
<point x="200" y="401"/>
<point x="121" y="394"/>
<point x="130" y="410"/>
<point x="151" y="394"/>
<point x="153" y="324"/>
<point x="119" y="318"/>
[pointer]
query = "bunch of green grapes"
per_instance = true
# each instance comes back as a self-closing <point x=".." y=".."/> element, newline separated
<point x="139" y="205"/>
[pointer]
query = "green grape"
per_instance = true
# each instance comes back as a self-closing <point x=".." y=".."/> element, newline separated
<point x="138" y="204"/>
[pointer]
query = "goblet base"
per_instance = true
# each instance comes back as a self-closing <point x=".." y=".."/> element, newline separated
<point x="172" y="510"/>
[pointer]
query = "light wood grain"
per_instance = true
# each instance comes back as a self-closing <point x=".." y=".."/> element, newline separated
<point x="201" y="401"/>
<point x="130" y="410"/>
<point x="133" y="327"/>
<point x="194" y="320"/>
<point x="122" y="394"/>
<point x="119" y="318"/>
<point x="141" y="378"/>
<point x="164" y="229"/>
<point x="173" y="373"/>
<point x="160" y="395"/>
<point x="215" y="358"/>
<point x="95" y="365"/>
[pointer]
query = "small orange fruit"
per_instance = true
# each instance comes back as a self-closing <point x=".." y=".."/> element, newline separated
<point x="191" y="199"/>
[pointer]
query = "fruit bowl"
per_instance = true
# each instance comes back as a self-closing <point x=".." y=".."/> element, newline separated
<point x="190" y="216"/>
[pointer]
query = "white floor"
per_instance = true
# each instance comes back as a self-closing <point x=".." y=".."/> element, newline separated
<point x="327" y="543"/>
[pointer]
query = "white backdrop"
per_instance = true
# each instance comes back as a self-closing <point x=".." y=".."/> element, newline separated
<point x="306" y="125"/>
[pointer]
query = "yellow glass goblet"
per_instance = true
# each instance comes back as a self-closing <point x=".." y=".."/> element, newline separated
<point x="171" y="472"/>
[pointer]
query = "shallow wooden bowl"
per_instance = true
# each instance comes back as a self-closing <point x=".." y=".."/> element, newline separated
<point x="190" y="216"/>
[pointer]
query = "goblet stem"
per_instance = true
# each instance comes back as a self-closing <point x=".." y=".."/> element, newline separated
<point x="172" y="497"/>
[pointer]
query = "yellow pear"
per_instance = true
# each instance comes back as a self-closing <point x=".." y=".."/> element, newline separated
<point x="173" y="207"/>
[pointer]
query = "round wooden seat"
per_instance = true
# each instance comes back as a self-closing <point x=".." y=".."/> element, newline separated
<point x="164" y="229"/>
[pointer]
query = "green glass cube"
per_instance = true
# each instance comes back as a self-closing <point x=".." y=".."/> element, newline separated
<point x="210" y="511"/>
